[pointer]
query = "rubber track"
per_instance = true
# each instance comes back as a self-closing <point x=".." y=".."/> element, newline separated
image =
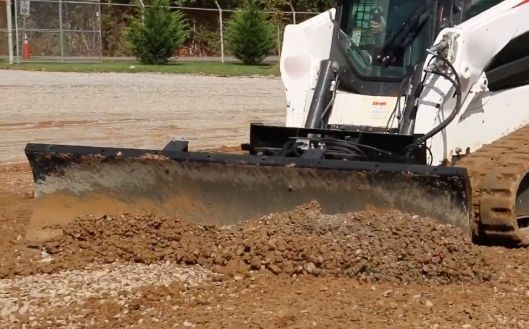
<point x="496" y="171"/>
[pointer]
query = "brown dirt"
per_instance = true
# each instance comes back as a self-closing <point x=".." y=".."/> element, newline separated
<point x="266" y="301"/>
<point x="370" y="269"/>
<point x="370" y="245"/>
<point x="16" y="198"/>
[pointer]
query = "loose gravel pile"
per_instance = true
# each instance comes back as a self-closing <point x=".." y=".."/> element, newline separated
<point x="370" y="246"/>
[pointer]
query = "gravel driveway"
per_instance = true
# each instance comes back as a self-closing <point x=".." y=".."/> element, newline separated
<point x="131" y="110"/>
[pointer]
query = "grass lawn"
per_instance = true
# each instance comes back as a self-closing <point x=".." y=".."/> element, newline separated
<point x="195" y="67"/>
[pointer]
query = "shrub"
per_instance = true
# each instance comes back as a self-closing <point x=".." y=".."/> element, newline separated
<point x="250" y="34"/>
<point x="155" y="37"/>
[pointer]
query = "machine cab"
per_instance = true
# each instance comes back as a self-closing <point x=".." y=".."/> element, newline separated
<point x="379" y="42"/>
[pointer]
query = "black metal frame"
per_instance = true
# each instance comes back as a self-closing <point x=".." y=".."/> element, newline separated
<point x="33" y="150"/>
<point x="269" y="140"/>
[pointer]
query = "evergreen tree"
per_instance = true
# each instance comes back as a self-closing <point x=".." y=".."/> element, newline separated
<point x="156" y="36"/>
<point x="250" y="34"/>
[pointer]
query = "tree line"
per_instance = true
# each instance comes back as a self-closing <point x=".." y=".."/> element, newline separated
<point x="201" y="37"/>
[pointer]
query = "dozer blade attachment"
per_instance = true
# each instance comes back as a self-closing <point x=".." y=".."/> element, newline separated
<point x="222" y="189"/>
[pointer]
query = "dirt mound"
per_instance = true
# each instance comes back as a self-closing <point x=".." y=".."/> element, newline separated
<point x="369" y="245"/>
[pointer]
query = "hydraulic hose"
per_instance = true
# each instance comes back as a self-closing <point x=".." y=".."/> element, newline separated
<point x="457" y="84"/>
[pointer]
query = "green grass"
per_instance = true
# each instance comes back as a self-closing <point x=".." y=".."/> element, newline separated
<point x="183" y="67"/>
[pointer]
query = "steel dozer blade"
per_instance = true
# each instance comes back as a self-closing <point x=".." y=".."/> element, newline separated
<point x="222" y="189"/>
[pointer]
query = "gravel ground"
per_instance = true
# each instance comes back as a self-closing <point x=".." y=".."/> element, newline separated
<point x="414" y="273"/>
<point x="300" y="269"/>
<point x="131" y="110"/>
<point x="25" y="299"/>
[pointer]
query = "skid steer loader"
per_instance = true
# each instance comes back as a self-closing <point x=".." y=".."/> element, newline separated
<point x="407" y="104"/>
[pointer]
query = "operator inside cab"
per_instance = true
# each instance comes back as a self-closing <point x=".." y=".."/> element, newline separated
<point x="386" y="38"/>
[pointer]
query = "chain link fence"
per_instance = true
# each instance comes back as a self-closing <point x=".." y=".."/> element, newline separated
<point x="90" y="30"/>
<point x="58" y="30"/>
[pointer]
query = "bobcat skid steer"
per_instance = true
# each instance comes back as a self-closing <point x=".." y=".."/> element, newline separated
<point x="407" y="104"/>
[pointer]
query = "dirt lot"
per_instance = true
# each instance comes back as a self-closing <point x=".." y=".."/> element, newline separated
<point x="301" y="269"/>
<point x="295" y="270"/>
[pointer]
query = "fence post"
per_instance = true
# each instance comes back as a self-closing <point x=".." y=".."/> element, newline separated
<point x="293" y="12"/>
<point x="100" y="32"/>
<point x="278" y="40"/>
<point x="142" y="10"/>
<point x="221" y="33"/>
<point x="9" y="31"/>
<point x="16" y="33"/>
<point x="61" y="31"/>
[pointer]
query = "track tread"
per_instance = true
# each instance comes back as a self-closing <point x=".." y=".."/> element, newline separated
<point x="496" y="171"/>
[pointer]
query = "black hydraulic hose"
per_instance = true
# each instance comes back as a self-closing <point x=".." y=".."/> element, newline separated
<point x="457" y="108"/>
<point x="337" y="146"/>
<point x="346" y="148"/>
<point x="358" y="145"/>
